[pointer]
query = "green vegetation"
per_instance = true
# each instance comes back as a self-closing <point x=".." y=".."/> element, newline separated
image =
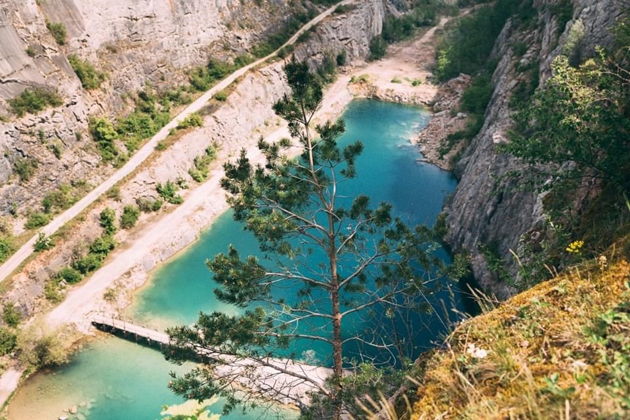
<point x="561" y="347"/>
<point x="43" y="243"/>
<point x="10" y="315"/>
<point x="58" y="31"/>
<point x="168" y="191"/>
<point x="572" y="132"/>
<point x="150" y="115"/>
<point x="221" y="96"/>
<point x="149" y="205"/>
<point x="104" y="133"/>
<point x="88" y="264"/>
<point x="193" y="120"/>
<point x="25" y="168"/>
<point x="203" y="78"/>
<point x="69" y="275"/>
<point x="89" y="76"/>
<point x="39" y="351"/>
<point x="36" y="220"/>
<point x="34" y="100"/>
<point x="8" y="341"/>
<point x="467" y="46"/>
<point x="107" y="220"/>
<point x="129" y="217"/>
<point x="64" y="197"/>
<point x="290" y="27"/>
<point x="6" y="247"/>
<point x="199" y="172"/>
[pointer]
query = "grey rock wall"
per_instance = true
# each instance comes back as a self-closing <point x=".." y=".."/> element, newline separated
<point x="486" y="208"/>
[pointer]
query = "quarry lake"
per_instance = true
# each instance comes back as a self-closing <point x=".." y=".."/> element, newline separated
<point x="114" y="379"/>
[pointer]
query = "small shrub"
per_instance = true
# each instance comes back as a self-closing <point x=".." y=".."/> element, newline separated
<point x="103" y="245"/>
<point x="129" y="217"/>
<point x="193" y="120"/>
<point x="416" y="82"/>
<point x="104" y="133"/>
<point x="114" y="193"/>
<point x="221" y="96"/>
<point x="90" y="77"/>
<point x="148" y="205"/>
<point x="60" y="199"/>
<point x="107" y="220"/>
<point x="168" y="192"/>
<point x="58" y="31"/>
<point x="30" y="51"/>
<point x="41" y="352"/>
<point x="36" y="220"/>
<point x="396" y="80"/>
<point x="34" y="100"/>
<point x="341" y="58"/>
<point x="52" y="291"/>
<point x="11" y="315"/>
<point x="87" y="264"/>
<point x="6" y="248"/>
<point x="69" y="275"/>
<point x="25" y="168"/>
<point x="378" y="48"/>
<point x="43" y="243"/>
<point x="8" y="341"/>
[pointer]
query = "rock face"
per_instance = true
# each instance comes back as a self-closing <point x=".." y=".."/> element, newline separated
<point x="136" y="43"/>
<point x="486" y="209"/>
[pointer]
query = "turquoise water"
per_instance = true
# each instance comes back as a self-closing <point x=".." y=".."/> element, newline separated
<point x="118" y="380"/>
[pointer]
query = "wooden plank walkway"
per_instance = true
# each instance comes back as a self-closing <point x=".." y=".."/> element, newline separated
<point x="281" y="380"/>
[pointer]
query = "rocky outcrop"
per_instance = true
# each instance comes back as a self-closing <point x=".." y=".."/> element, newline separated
<point x="488" y="210"/>
<point x="134" y="43"/>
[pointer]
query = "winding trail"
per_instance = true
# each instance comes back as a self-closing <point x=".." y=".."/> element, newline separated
<point x="26" y="250"/>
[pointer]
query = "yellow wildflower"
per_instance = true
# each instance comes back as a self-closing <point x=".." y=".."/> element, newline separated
<point x="575" y="247"/>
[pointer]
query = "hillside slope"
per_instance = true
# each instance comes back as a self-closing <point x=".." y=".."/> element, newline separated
<point x="558" y="350"/>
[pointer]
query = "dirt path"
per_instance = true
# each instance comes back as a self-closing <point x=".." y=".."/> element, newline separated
<point x="14" y="262"/>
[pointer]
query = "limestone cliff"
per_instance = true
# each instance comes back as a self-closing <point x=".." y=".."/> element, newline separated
<point x="487" y="209"/>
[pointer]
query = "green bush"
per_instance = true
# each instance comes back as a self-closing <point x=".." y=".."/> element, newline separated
<point x="90" y="77"/>
<point x="43" y="243"/>
<point x="378" y="48"/>
<point x="107" y="220"/>
<point x="89" y="263"/>
<point x="199" y="172"/>
<point x="102" y="246"/>
<point x="468" y="45"/>
<point x="60" y="199"/>
<point x="69" y="275"/>
<point x="193" y="120"/>
<point x="8" y="341"/>
<point x="476" y="97"/>
<point x="25" y="168"/>
<point x="36" y="220"/>
<point x="168" y="192"/>
<point x="129" y="217"/>
<point x="58" y="31"/>
<point x="6" y="248"/>
<point x="148" y="205"/>
<point x="11" y="315"/>
<point x="221" y="96"/>
<point x="34" y="100"/>
<point x="104" y="133"/>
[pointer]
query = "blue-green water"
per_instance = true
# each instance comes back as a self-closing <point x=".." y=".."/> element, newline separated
<point x="121" y="380"/>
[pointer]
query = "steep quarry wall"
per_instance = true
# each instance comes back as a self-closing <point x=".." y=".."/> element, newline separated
<point x="486" y="208"/>
<point x="136" y="43"/>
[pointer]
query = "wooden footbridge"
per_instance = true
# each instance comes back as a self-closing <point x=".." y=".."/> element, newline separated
<point x="281" y="380"/>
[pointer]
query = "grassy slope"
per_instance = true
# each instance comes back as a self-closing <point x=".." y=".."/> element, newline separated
<point x="558" y="350"/>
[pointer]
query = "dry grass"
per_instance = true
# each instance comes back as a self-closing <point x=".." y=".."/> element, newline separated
<point x="560" y="350"/>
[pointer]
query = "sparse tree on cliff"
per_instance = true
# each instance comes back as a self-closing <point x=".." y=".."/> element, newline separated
<point x="341" y="260"/>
